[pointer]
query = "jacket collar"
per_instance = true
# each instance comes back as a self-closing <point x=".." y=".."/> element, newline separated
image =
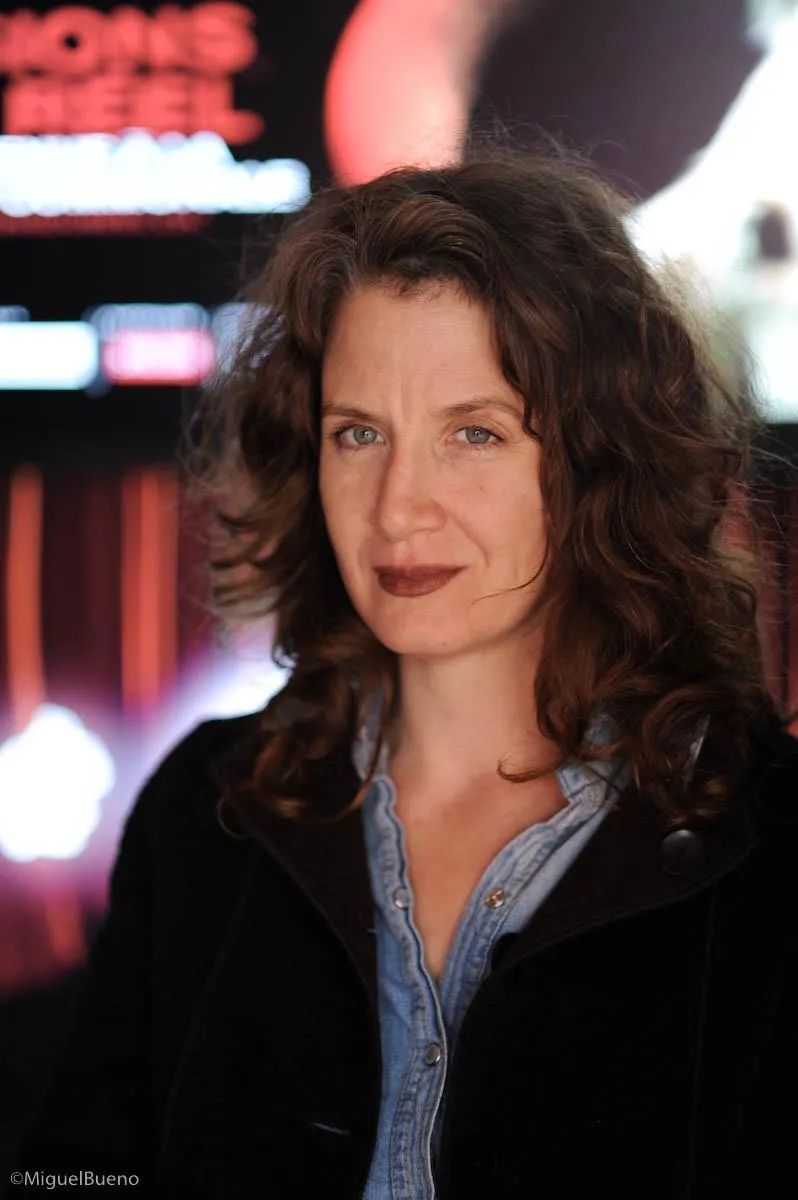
<point x="328" y="861"/>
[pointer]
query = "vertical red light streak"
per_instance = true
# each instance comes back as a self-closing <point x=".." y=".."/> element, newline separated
<point x="63" y="942"/>
<point x="148" y="587"/>
<point x="26" y="683"/>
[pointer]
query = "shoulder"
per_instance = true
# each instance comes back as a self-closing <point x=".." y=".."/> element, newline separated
<point x="185" y="785"/>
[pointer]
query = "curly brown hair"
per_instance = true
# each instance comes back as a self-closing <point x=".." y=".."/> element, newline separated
<point x="650" y="603"/>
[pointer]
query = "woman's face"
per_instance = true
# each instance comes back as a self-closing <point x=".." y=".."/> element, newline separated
<point x="409" y="479"/>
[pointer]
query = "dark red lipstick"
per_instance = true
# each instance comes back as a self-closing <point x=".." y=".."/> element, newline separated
<point x="415" y="581"/>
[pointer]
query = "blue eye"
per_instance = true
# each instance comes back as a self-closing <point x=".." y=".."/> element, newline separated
<point x="490" y="438"/>
<point x="338" y="435"/>
<point x="482" y="430"/>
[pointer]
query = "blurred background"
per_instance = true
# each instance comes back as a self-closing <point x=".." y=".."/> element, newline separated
<point x="146" y="152"/>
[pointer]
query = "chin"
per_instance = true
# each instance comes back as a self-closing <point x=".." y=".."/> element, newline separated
<point x="410" y="635"/>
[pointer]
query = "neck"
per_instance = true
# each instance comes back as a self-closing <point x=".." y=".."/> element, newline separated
<point x="458" y="717"/>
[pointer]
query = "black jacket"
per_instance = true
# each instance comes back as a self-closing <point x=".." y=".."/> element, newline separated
<point x="637" y="1039"/>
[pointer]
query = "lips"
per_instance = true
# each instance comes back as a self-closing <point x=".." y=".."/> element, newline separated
<point x="415" y="581"/>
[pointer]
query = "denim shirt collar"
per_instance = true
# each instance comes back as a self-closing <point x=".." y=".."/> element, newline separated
<point x="600" y="732"/>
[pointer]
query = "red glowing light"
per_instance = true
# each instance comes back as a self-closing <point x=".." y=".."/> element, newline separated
<point x="76" y="70"/>
<point x="159" y="356"/>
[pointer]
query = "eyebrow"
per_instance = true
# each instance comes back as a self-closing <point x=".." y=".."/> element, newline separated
<point x="463" y="409"/>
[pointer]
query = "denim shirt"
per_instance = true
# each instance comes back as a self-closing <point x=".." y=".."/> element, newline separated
<point x="419" y="1019"/>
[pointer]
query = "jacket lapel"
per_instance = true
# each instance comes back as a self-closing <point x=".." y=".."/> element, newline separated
<point x="636" y="863"/>
<point x="630" y="866"/>
<point x="328" y="860"/>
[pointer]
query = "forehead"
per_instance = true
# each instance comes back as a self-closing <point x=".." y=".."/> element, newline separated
<point x="435" y="331"/>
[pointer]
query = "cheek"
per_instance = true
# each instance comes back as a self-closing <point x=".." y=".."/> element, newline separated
<point x="341" y="513"/>
<point x="491" y="507"/>
<point x="509" y="525"/>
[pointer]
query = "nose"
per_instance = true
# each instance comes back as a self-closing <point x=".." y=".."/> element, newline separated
<point x="408" y="498"/>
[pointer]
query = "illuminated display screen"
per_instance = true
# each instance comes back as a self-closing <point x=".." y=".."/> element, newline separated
<point x="142" y="145"/>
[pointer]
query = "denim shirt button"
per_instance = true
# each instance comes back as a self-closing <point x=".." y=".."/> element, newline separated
<point x="495" y="898"/>
<point x="433" y="1054"/>
<point x="401" y="898"/>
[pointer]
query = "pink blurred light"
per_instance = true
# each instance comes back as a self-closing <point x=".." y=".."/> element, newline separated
<point x="159" y="356"/>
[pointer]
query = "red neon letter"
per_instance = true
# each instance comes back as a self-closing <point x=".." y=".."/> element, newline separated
<point x="125" y="36"/>
<point x="222" y="39"/>
<point x="160" y="103"/>
<point x="70" y="41"/>
<point x="98" y="104"/>
<point x="213" y="110"/>
<point x="34" y="106"/>
<point x="17" y="33"/>
<point x="169" y="39"/>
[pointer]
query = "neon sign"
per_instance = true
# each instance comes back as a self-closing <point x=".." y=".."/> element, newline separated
<point x="137" y="173"/>
<point x="127" y="114"/>
<point x="48" y="355"/>
<point x="123" y="344"/>
<point x="76" y="70"/>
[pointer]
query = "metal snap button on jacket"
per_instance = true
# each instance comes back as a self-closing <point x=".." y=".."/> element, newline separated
<point x="432" y="1054"/>
<point x="401" y="898"/>
<point x="682" y="852"/>
<point x="495" y="898"/>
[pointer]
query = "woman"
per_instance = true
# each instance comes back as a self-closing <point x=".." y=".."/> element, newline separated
<point x="498" y="894"/>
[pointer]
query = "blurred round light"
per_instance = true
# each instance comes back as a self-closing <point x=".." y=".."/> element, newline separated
<point x="53" y="777"/>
